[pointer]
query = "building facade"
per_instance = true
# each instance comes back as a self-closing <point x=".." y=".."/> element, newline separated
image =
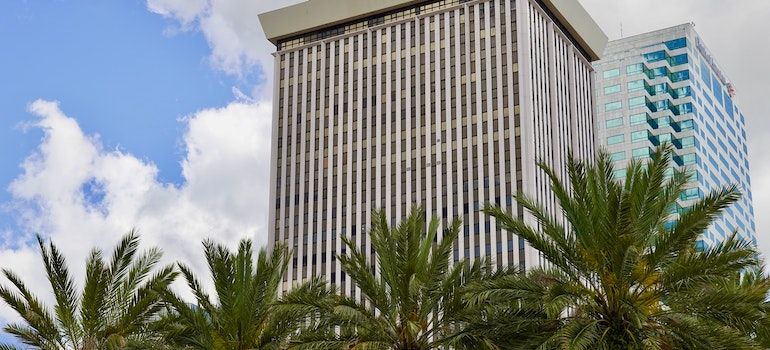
<point x="446" y="104"/>
<point x="665" y="86"/>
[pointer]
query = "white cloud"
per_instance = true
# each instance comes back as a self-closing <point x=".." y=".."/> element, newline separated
<point x="238" y="44"/>
<point x="186" y="11"/>
<point x="81" y="195"/>
<point x="25" y="262"/>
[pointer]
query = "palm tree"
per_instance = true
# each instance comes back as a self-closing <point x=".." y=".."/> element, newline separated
<point x="623" y="270"/>
<point x="117" y="307"/>
<point x="243" y="314"/>
<point x="413" y="302"/>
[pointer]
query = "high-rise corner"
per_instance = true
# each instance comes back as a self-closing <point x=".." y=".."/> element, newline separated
<point x="666" y="86"/>
<point x="447" y="104"/>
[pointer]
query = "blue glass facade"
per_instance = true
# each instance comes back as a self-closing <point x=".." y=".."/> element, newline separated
<point x="668" y="88"/>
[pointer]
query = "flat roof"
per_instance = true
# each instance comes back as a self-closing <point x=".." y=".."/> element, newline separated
<point x="312" y="15"/>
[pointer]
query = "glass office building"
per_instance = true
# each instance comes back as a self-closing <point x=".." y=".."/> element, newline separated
<point x="665" y="86"/>
<point x="442" y="103"/>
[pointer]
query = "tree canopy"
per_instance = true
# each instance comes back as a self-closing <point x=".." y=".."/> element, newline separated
<point x="117" y="307"/>
<point x="624" y="271"/>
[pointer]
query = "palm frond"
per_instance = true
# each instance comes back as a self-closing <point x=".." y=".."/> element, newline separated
<point x="625" y="272"/>
<point x="93" y="317"/>
<point x="63" y="288"/>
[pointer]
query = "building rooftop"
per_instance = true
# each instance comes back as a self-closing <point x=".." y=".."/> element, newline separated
<point x="312" y="15"/>
<point x="641" y="40"/>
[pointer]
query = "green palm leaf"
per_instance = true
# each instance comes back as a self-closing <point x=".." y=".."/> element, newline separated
<point x="245" y="311"/>
<point x="114" y="308"/>
<point x="414" y="298"/>
<point x="619" y="276"/>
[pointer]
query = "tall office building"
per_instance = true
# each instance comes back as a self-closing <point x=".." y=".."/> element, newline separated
<point x="665" y="86"/>
<point x="380" y="104"/>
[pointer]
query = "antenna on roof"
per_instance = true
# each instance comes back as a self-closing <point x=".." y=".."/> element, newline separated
<point x="621" y="30"/>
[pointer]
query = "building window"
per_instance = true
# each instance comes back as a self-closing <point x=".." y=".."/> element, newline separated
<point x="611" y="123"/>
<point x="640" y="135"/>
<point x="687" y="159"/>
<point x="690" y="193"/>
<point x="677" y="60"/>
<point x="658" y="89"/>
<point x="655" y="56"/>
<point x="684" y="108"/>
<point x="681" y="92"/>
<point x="634" y="69"/>
<point x="620" y="173"/>
<point x="676" y="43"/>
<point x="686" y="125"/>
<point x="664" y="138"/>
<point x="662" y="122"/>
<point x="641" y="153"/>
<point x="617" y="156"/>
<point x="657" y="72"/>
<point x="685" y="142"/>
<point x="637" y="119"/>
<point x="612" y="89"/>
<point x="611" y="73"/>
<point x="615" y="139"/>
<point x="659" y="105"/>
<point x="635" y="85"/>
<point x="612" y="106"/>
<point x="636" y="102"/>
<point x="679" y="76"/>
<point x="692" y="176"/>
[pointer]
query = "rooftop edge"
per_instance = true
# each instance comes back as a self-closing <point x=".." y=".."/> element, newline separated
<point x="315" y="14"/>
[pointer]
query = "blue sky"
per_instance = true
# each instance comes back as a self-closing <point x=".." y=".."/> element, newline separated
<point x="129" y="114"/>
<point x="109" y="64"/>
<point x="163" y="117"/>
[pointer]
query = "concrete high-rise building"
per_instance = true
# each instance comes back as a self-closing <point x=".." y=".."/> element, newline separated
<point x="665" y="86"/>
<point x="380" y="104"/>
